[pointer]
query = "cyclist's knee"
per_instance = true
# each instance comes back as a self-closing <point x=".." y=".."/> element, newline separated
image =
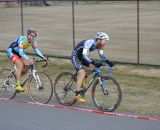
<point x="24" y="70"/>
<point x="19" y="65"/>
<point x="25" y="62"/>
<point x="81" y="73"/>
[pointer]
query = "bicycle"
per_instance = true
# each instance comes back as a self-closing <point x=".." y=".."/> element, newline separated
<point x="39" y="87"/>
<point x="106" y="92"/>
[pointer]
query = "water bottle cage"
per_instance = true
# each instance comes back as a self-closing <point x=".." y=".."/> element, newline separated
<point x="84" y="84"/>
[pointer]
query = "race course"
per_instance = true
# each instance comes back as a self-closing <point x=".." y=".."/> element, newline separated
<point x="28" y="116"/>
<point x="140" y="106"/>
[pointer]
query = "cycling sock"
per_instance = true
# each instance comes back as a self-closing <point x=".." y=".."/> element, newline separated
<point x="78" y="92"/>
<point x="18" y="83"/>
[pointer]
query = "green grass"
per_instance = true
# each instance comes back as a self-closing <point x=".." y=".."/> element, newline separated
<point x="140" y="85"/>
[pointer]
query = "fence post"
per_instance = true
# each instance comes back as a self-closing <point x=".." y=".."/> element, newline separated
<point x="138" y="55"/>
<point x="22" y="17"/>
<point x="73" y="24"/>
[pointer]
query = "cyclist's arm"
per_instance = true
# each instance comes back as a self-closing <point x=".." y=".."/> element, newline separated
<point x="20" y="48"/>
<point x="104" y="58"/>
<point x="85" y="52"/>
<point x="37" y="50"/>
<point x="102" y="55"/>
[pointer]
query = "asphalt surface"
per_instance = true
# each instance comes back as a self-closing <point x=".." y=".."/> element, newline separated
<point x="21" y="116"/>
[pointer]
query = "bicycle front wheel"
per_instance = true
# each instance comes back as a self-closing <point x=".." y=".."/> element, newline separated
<point x="107" y="97"/>
<point x="65" y="88"/>
<point x="7" y="84"/>
<point x="40" y="88"/>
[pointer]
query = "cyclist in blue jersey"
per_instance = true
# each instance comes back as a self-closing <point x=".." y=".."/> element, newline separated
<point x="80" y="57"/>
<point x="19" y="58"/>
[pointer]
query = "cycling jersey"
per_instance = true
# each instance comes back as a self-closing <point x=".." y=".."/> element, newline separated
<point x="80" y="54"/>
<point x="19" y="45"/>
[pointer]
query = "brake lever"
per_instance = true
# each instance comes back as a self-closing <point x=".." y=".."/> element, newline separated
<point x="45" y="65"/>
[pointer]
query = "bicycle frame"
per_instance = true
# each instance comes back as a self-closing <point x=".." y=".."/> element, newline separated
<point x="97" y="73"/>
<point x="32" y="72"/>
<point x="33" y="80"/>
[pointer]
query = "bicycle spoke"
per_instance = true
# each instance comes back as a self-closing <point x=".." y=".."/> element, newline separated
<point x="64" y="87"/>
<point x="107" y="98"/>
<point x="40" y="89"/>
<point x="7" y="84"/>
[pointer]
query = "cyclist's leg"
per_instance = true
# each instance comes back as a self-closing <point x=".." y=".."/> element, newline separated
<point x="15" y="60"/>
<point x="80" y="78"/>
<point x="81" y="75"/>
<point x="24" y="70"/>
<point x="19" y="65"/>
<point x="81" y="72"/>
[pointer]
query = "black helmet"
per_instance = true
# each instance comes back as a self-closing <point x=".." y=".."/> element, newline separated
<point x="31" y="32"/>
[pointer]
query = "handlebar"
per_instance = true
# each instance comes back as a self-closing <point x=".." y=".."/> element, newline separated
<point x="42" y="60"/>
<point x="105" y="67"/>
<point x="38" y="61"/>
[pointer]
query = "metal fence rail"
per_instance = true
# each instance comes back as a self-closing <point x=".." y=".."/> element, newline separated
<point x="132" y="25"/>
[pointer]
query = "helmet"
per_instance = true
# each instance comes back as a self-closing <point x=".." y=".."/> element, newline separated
<point x="32" y="33"/>
<point x="102" y="36"/>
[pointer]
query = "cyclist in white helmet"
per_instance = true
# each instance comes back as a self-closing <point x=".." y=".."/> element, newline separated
<point x="80" y="58"/>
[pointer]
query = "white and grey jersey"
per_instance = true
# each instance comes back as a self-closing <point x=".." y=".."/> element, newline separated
<point x="81" y="51"/>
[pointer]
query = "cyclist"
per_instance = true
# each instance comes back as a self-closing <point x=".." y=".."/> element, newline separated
<point x="19" y="58"/>
<point x="80" y="57"/>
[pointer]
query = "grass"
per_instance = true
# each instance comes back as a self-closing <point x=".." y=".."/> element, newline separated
<point x="117" y="18"/>
<point x="140" y="85"/>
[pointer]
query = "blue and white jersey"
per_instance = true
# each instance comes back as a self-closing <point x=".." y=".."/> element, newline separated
<point x="82" y="50"/>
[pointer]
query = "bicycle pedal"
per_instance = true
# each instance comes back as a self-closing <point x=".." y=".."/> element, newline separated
<point x="40" y="88"/>
<point x="3" y="87"/>
<point x="65" y="89"/>
<point x="19" y="91"/>
<point x="7" y="83"/>
<point x="82" y="92"/>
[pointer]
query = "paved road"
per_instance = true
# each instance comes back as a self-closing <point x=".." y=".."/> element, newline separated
<point x="20" y="116"/>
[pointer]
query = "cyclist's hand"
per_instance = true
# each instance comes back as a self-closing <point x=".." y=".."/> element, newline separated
<point x="97" y="64"/>
<point x="46" y="60"/>
<point x="30" y="62"/>
<point x="91" y="67"/>
<point x="111" y="64"/>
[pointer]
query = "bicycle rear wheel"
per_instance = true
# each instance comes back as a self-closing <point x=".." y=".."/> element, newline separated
<point x="109" y="97"/>
<point x="65" y="88"/>
<point x="41" y="88"/>
<point x="7" y="84"/>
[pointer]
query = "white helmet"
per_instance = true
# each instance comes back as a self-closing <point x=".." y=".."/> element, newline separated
<point x="102" y="35"/>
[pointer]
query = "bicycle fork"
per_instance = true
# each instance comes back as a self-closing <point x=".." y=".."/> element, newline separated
<point x="37" y="79"/>
<point x="103" y="84"/>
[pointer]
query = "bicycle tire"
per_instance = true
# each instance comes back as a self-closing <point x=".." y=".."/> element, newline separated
<point x="113" y="100"/>
<point x="65" y="95"/>
<point x="7" y="91"/>
<point x="41" y="94"/>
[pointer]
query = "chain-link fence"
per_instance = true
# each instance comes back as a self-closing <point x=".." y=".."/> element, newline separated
<point x="133" y="26"/>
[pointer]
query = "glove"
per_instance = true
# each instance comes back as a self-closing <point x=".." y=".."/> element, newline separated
<point x="111" y="64"/>
<point x="97" y="64"/>
<point x="46" y="59"/>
